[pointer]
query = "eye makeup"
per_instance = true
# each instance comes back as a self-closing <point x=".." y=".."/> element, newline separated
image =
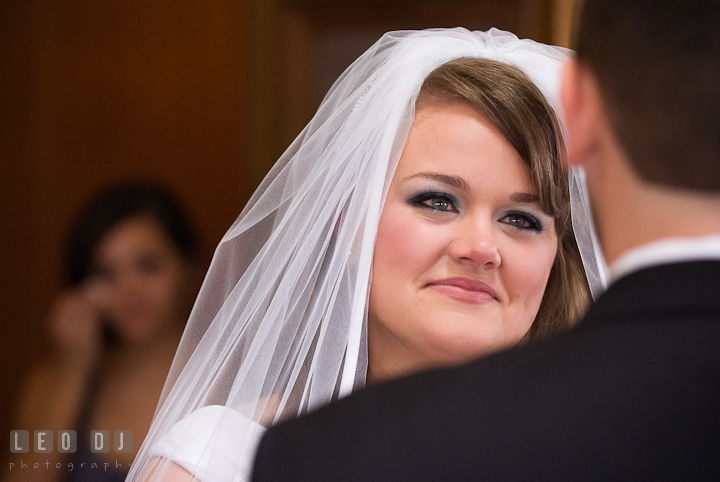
<point x="523" y="221"/>
<point x="436" y="201"/>
<point x="440" y="201"/>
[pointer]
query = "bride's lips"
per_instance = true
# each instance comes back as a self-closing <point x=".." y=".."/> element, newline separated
<point x="466" y="290"/>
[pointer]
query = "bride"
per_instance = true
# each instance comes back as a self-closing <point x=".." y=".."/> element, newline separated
<point x="421" y="219"/>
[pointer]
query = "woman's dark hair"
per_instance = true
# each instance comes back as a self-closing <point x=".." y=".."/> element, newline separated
<point x="116" y="204"/>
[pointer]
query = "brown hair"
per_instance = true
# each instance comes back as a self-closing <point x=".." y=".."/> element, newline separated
<point x="515" y="106"/>
<point x="657" y="63"/>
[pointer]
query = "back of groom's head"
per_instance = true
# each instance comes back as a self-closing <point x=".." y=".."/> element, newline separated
<point x="657" y="63"/>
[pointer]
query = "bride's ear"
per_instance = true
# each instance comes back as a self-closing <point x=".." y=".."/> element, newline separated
<point x="581" y="102"/>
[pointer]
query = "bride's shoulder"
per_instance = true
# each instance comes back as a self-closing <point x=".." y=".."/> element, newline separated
<point x="212" y="442"/>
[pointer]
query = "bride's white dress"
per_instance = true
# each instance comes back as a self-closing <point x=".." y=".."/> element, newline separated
<point x="214" y="443"/>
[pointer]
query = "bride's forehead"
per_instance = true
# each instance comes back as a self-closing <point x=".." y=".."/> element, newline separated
<point x="454" y="133"/>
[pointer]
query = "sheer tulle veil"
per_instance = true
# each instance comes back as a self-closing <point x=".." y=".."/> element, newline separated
<point x="278" y="328"/>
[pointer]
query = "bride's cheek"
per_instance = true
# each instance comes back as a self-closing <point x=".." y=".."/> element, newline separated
<point x="530" y="272"/>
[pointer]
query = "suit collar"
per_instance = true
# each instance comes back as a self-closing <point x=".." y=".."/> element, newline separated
<point x="667" y="251"/>
<point x="690" y="287"/>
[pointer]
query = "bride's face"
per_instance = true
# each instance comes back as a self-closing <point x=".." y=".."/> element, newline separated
<point x="463" y="250"/>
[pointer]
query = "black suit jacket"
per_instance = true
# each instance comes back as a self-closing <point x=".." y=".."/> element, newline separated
<point x="633" y="393"/>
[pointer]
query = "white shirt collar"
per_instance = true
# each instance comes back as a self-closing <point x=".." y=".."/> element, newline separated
<point x="666" y="251"/>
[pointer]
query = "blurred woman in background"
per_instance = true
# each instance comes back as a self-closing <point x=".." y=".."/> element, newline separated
<point x="130" y="281"/>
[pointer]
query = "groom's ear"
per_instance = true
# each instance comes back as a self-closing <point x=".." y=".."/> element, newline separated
<point x="582" y="105"/>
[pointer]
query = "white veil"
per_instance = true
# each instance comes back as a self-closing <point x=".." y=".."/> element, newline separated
<point x="278" y="328"/>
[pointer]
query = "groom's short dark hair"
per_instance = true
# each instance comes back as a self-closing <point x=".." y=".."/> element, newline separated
<point x="658" y="66"/>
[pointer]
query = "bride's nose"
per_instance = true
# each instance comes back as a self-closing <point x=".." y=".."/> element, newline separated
<point x="474" y="243"/>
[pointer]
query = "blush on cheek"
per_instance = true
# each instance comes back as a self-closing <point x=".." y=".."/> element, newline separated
<point x="394" y="240"/>
<point x="537" y="284"/>
<point x="407" y="241"/>
<point x="531" y="281"/>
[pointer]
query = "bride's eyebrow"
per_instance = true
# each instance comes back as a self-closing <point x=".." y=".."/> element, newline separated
<point x="524" y="197"/>
<point x="528" y="198"/>
<point x="454" y="181"/>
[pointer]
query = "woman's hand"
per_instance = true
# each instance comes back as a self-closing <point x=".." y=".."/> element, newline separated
<point x="76" y="326"/>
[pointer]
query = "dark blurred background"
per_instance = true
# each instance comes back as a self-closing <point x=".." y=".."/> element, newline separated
<point x="201" y="95"/>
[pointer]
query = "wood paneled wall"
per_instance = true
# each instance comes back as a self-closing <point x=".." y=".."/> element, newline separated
<point x="94" y="92"/>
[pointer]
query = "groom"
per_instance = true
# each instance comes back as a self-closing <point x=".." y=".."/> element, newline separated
<point x="634" y="392"/>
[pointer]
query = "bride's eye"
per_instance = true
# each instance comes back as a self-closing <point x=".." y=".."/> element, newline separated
<point x="523" y="221"/>
<point x="439" y="204"/>
<point x="435" y="201"/>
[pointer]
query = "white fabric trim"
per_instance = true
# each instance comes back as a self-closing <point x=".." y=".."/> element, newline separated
<point x="666" y="251"/>
<point x="210" y="450"/>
